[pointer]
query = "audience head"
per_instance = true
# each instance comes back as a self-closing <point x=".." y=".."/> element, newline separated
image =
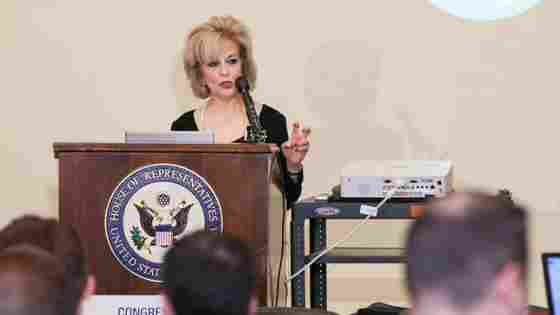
<point x="469" y="251"/>
<point x="205" y="273"/>
<point x="208" y="41"/>
<point x="62" y="242"/>
<point x="31" y="282"/>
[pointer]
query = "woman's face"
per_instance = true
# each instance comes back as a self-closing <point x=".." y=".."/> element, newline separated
<point x="220" y="75"/>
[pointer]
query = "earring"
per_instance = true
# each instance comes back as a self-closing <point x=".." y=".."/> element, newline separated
<point x="206" y="87"/>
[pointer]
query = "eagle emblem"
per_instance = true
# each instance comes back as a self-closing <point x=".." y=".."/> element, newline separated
<point x="162" y="224"/>
<point x="151" y="208"/>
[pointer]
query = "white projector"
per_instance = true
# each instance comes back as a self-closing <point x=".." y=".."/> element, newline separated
<point x="415" y="179"/>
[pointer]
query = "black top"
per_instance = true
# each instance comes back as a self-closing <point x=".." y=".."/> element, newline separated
<point x="274" y="123"/>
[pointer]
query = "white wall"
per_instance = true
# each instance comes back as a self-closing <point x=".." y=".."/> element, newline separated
<point x="375" y="80"/>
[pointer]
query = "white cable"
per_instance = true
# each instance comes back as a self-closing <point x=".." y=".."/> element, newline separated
<point x="364" y="220"/>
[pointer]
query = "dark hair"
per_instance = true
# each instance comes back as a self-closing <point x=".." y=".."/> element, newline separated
<point x="462" y="242"/>
<point x="60" y="240"/>
<point x="209" y="274"/>
<point x="31" y="282"/>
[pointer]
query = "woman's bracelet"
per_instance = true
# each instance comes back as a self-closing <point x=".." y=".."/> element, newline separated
<point x="298" y="172"/>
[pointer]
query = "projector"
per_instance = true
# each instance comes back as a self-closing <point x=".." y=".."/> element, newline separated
<point x="413" y="179"/>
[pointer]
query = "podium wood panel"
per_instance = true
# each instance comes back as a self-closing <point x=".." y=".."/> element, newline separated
<point x="89" y="172"/>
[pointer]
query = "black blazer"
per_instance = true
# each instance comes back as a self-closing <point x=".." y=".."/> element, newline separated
<point x="274" y="123"/>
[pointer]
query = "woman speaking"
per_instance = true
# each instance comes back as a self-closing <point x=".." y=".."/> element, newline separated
<point x="217" y="54"/>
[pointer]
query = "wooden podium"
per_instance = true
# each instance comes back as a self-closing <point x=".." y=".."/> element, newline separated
<point x="239" y="174"/>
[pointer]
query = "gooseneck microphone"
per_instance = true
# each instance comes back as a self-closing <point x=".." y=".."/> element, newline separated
<point x="255" y="132"/>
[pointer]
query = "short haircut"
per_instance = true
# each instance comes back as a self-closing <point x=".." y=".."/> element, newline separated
<point x="206" y="42"/>
<point x="31" y="282"/>
<point x="60" y="240"/>
<point x="209" y="274"/>
<point x="461" y="243"/>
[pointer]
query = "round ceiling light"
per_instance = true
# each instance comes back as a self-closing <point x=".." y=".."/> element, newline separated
<point x="485" y="10"/>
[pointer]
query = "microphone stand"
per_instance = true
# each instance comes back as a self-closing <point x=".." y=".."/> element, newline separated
<point x="255" y="132"/>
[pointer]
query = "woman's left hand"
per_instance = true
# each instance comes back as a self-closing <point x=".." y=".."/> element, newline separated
<point x="296" y="147"/>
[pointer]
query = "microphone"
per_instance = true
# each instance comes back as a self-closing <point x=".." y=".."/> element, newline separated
<point x="243" y="86"/>
<point x="255" y="132"/>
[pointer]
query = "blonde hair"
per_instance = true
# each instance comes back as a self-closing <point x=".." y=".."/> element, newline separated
<point x="206" y="42"/>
